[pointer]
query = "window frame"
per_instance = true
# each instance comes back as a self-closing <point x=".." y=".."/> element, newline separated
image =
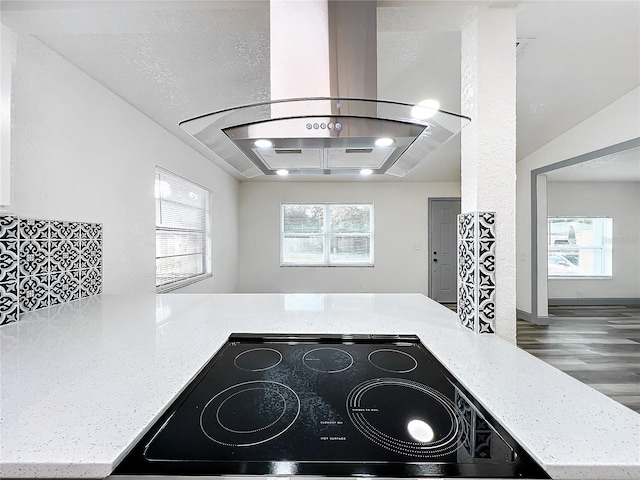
<point x="206" y="262"/>
<point x="602" y="249"/>
<point x="327" y="235"/>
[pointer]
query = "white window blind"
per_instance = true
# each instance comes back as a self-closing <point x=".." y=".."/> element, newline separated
<point x="326" y="234"/>
<point x="182" y="231"/>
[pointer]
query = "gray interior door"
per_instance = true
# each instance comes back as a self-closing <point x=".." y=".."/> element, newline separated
<point x="442" y="248"/>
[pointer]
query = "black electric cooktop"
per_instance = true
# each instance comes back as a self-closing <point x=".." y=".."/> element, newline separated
<point x="331" y="405"/>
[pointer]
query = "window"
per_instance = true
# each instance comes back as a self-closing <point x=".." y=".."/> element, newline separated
<point x="182" y="231"/>
<point x="579" y="247"/>
<point x="326" y="234"/>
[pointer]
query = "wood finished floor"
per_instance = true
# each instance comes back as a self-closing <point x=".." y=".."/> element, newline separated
<point x="599" y="346"/>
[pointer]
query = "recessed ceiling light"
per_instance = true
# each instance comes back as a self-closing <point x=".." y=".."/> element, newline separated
<point x="282" y="172"/>
<point x="263" y="143"/>
<point x="425" y="109"/>
<point x="366" y="171"/>
<point x="384" y="142"/>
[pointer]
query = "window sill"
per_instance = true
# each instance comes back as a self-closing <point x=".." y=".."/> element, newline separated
<point x="183" y="283"/>
<point x="568" y="277"/>
<point x="340" y="265"/>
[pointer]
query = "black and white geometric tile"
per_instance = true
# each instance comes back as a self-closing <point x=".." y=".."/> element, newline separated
<point x="466" y="226"/>
<point x="8" y="302"/>
<point x="65" y="230"/>
<point x="34" y="257"/>
<point x="466" y="305"/>
<point x="476" y="271"/>
<point x="467" y="271"/>
<point x="8" y="261"/>
<point x="486" y="272"/>
<point x="33" y="292"/>
<point x="64" y="287"/>
<point x="34" y="229"/>
<point x="44" y="263"/>
<point x="65" y="255"/>
<point x="466" y="261"/>
<point x="91" y="254"/>
<point x="8" y="228"/>
<point x="92" y="231"/>
<point x="90" y="282"/>
<point x="9" y="255"/>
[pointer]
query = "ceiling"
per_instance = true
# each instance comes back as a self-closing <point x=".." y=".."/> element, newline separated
<point x="174" y="60"/>
<point x="616" y="167"/>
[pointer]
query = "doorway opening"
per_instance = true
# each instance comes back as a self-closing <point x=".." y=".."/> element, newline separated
<point x="543" y="270"/>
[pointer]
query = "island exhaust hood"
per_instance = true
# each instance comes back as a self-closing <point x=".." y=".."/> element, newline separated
<point x="324" y="117"/>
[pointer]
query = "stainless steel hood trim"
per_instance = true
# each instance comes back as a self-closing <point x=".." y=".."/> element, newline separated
<point x="355" y="133"/>
<point x="209" y="129"/>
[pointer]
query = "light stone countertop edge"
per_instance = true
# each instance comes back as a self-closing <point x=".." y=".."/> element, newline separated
<point x="114" y="351"/>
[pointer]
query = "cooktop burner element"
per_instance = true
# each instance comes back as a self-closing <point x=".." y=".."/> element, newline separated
<point x="249" y="413"/>
<point x="430" y="427"/>
<point x="328" y="405"/>
<point x="327" y="360"/>
<point x="394" y="361"/>
<point x="258" y="359"/>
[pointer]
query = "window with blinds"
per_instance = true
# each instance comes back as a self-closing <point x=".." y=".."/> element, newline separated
<point x="182" y="231"/>
<point x="326" y="235"/>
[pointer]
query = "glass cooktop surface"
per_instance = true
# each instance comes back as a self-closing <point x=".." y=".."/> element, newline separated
<point x="328" y="405"/>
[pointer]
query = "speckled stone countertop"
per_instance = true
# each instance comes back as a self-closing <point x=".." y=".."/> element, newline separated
<point x="81" y="382"/>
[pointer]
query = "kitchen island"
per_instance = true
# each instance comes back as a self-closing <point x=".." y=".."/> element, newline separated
<point x="83" y="381"/>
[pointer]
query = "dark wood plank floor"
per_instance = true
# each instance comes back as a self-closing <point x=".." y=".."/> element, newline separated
<point x="599" y="346"/>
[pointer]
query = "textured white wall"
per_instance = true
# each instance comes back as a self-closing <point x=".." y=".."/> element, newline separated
<point x="400" y="211"/>
<point x="81" y="153"/>
<point x="7" y="58"/>
<point x="619" y="200"/>
<point x="489" y="142"/>
<point x="615" y="123"/>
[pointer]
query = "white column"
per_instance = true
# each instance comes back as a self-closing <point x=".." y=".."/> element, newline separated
<point x="489" y="143"/>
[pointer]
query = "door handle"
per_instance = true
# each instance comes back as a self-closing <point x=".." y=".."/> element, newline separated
<point x="435" y="260"/>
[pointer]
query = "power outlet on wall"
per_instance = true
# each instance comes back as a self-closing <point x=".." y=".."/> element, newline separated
<point x="578" y="294"/>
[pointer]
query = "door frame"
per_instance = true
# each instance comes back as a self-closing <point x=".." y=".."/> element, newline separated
<point x="538" y="250"/>
<point x="429" y="240"/>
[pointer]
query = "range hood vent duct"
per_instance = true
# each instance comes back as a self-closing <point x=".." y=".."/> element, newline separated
<point x="333" y="130"/>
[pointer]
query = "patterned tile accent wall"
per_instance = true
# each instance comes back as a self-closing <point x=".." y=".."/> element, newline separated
<point x="476" y="271"/>
<point x="45" y="263"/>
<point x="466" y="270"/>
